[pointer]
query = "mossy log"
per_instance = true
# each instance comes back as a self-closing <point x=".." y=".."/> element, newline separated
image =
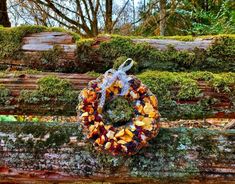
<point x="25" y="96"/>
<point x="58" y="152"/>
<point x="44" y="47"/>
<point x="34" y="44"/>
<point x="20" y="94"/>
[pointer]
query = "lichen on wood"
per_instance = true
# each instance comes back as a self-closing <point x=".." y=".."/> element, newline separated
<point x="175" y="154"/>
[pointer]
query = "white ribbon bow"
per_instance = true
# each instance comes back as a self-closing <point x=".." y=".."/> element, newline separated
<point x="116" y="74"/>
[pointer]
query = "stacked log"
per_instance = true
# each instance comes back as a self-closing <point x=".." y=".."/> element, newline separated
<point x="15" y="84"/>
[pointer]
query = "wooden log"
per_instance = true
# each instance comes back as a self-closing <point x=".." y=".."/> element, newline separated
<point x="57" y="152"/>
<point x="162" y="44"/>
<point x="16" y="83"/>
<point x="48" y="37"/>
<point x="45" y="41"/>
<point x="34" y="44"/>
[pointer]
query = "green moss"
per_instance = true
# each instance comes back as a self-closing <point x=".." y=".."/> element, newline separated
<point x="53" y="90"/>
<point x="93" y="74"/>
<point x="50" y="57"/>
<point x="219" y="57"/>
<point x="118" y="111"/>
<point x="188" y="89"/>
<point x="175" y="154"/>
<point x="171" y="87"/>
<point x="223" y="82"/>
<point x="17" y="73"/>
<point x="51" y="60"/>
<point x="41" y="136"/>
<point x="53" y="86"/>
<point x="192" y="38"/>
<point x="4" y="95"/>
<point x="180" y="38"/>
<point x="7" y="118"/>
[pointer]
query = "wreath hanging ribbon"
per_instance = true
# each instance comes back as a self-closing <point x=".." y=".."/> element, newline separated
<point x="112" y="75"/>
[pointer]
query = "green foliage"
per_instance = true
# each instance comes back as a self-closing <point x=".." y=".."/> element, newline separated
<point x="11" y="38"/>
<point x="213" y="21"/>
<point x="7" y="118"/>
<point x="198" y="17"/>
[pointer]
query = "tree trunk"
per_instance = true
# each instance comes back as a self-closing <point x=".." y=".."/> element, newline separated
<point x="57" y="152"/>
<point x="4" y="19"/>
<point x="162" y="17"/>
<point x="108" y="16"/>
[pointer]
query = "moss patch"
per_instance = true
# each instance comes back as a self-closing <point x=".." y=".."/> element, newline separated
<point x="4" y="95"/>
<point x="51" y="90"/>
<point x="170" y="87"/>
<point x="41" y="136"/>
<point x="4" y="74"/>
<point x="217" y="58"/>
<point x="118" y="111"/>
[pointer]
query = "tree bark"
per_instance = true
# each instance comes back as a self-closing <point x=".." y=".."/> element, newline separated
<point x="58" y="152"/>
<point x="4" y="19"/>
<point x="162" y="17"/>
<point x="108" y="16"/>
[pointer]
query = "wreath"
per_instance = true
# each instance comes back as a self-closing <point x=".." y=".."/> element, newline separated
<point x="119" y="112"/>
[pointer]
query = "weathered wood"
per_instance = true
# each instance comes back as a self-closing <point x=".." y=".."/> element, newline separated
<point x="178" y="45"/>
<point x="49" y="152"/>
<point x="223" y="108"/>
<point x="48" y="37"/>
<point x="47" y="40"/>
<point x="45" y="47"/>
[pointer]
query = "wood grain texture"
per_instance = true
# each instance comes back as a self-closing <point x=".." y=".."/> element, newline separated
<point x="58" y="152"/>
<point x="178" y="45"/>
<point x="223" y="108"/>
<point x="47" y="40"/>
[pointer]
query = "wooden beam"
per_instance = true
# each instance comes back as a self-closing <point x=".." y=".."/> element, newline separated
<point x="58" y="152"/>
